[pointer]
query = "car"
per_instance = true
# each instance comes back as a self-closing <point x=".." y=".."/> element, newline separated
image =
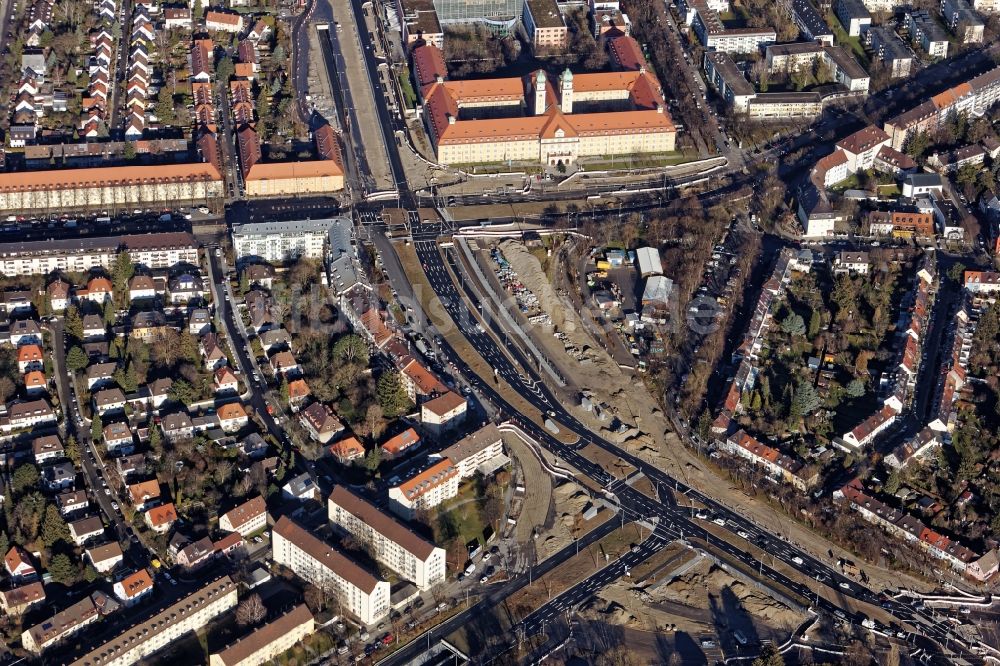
<point x="839" y="613"/>
<point x="364" y="636"/>
<point x="484" y="579"/>
<point x="844" y="586"/>
<point x="114" y="505"/>
<point x="442" y="606"/>
<point x="486" y="556"/>
<point x="743" y="535"/>
<point x="701" y="515"/>
<point x="964" y="610"/>
<point x="388" y="639"/>
<point x="342" y="649"/>
<point x="721" y="522"/>
<point x="107" y="491"/>
<point x="797" y="560"/>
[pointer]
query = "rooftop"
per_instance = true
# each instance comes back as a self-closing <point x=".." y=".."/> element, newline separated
<point x="381" y="523"/>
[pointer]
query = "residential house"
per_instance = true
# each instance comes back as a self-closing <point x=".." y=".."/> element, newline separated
<point x="276" y="339"/>
<point x="85" y="529"/>
<point x="398" y="445"/>
<point x="195" y="555"/>
<point x="185" y="288"/>
<point x="106" y="556"/>
<point x="301" y="488"/>
<point x="321" y="423"/>
<point x="134" y="587"/>
<point x="247" y="518"/>
<point x="148" y="326"/>
<point x="99" y="290"/>
<point x="851" y="262"/>
<point x="29" y="357"/>
<point x="25" y="332"/>
<point x="160" y="518"/>
<point x="58" y="293"/>
<point x="18" y="565"/>
<point x="177" y="426"/>
<point x="141" y="287"/>
<point x="261" y="275"/>
<point x="59" y="476"/>
<point x="17" y="600"/>
<point x="110" y="400"/>
<point x="212" y="353"/>
<point x="47" y="448"/>
<point x="118" y="438"/>
<point x="225" y="381"/>
<point x="22" y="415"/>
<point x="131" y="465"/>
<point x="284" y="364"/>
<point x="93" y="327"/>
<point x="199" y="322"/>
<point x="72" y="501"/>
<point x="298" y="393"/>
<point x="101" y="375"/>
<point x="144" y="494"/>
<point x="232" y="416"/>
<point x="223" y="21"/>
<point x="347" y="450"/>
<point x="35" y="384"/>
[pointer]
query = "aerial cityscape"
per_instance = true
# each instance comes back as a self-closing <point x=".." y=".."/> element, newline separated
<point x="469" y="332"/>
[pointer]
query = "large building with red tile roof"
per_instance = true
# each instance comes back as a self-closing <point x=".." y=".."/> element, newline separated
<point x="116" y="187"/>
<point x="551" y="132"/>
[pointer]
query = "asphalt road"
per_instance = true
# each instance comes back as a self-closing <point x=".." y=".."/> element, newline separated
<point x="91" y="457"/>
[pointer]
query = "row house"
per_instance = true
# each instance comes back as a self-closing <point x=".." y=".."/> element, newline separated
<point x="149" y="634"/>
<point x="777" y="465"/>
<point x="896" y="523"/>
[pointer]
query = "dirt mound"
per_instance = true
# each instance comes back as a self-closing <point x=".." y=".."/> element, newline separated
<point x="617" y="614"/>
<point x="570" y="501"/>
<point x="694" y="588"/>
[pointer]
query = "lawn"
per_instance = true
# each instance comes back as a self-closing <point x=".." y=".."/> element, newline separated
<point x="410" y="97"/>
<point x="464" y="515"/>
<point x="854" y="43"/>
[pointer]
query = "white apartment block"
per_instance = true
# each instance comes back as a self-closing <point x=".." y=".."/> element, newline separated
<point x="393" y="544"/>
<point x="281" y="241"/>
<point x="436" y="484"/>
<point x="80" y="255"/>
<point x="480" y="448"/>
<point x="142" y="639"/>
<point x="269" y="641"/>
<point x="361" y="593"/>
<point x="110" y="188"/>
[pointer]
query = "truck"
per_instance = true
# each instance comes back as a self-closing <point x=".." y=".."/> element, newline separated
<point x="422" y="347"/>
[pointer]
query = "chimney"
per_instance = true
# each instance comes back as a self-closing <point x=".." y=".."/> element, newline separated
<point x="440" y="79"/>
<point x="659" y="108"/>
<point x="451" y="119"/>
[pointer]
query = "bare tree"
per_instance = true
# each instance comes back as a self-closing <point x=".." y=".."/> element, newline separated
<point x="251" y="611"/>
